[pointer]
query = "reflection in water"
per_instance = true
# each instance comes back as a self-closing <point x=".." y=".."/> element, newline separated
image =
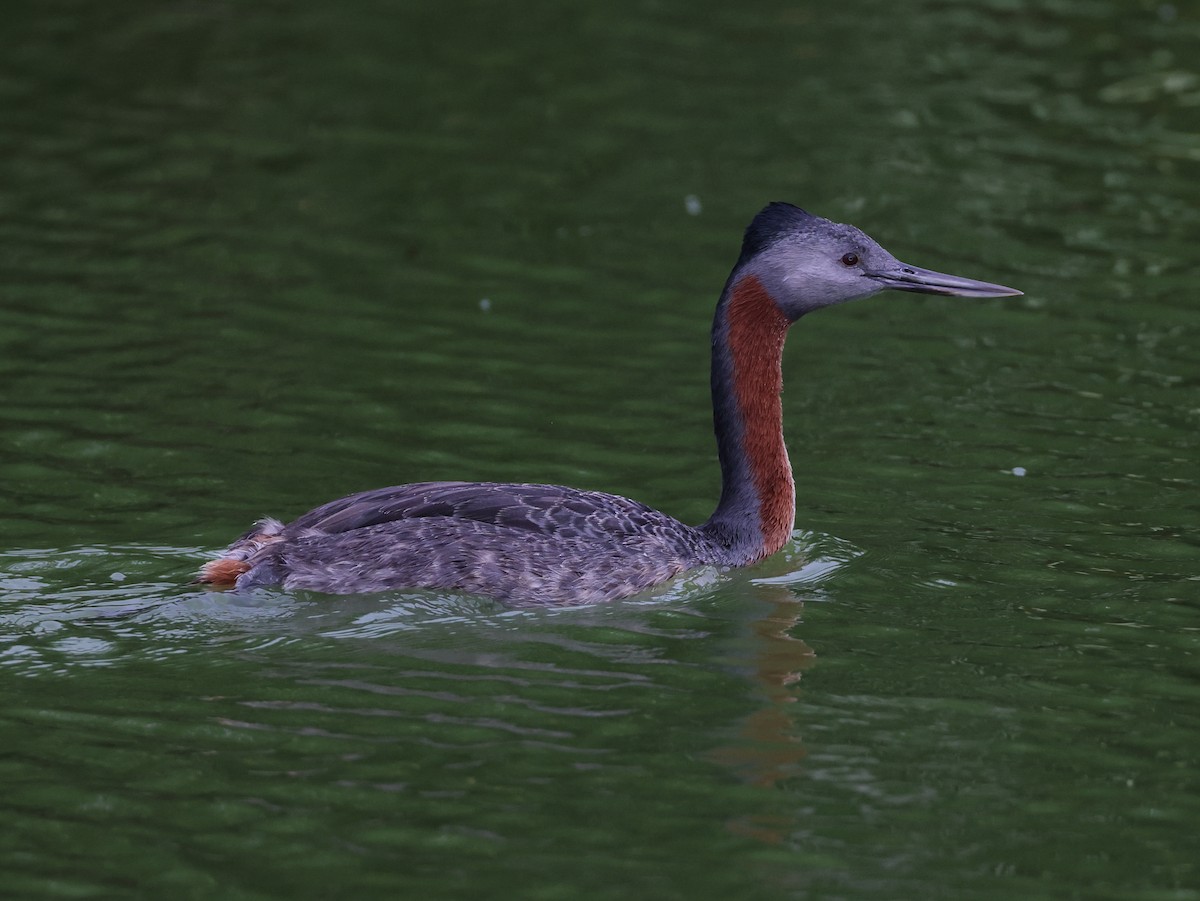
<point x="771" y="750"/>
<point x="768" y="748"/>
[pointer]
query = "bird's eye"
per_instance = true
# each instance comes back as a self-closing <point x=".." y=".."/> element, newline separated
<point x="850" y="259"/>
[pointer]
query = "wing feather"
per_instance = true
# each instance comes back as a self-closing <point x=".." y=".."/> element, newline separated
<point x="539" y="508"/>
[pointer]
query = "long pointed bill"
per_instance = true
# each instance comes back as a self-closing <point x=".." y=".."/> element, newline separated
<point x="902" y="277"/>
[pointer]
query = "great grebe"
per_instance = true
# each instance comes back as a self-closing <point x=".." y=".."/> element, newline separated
<point x="546" y="544"/>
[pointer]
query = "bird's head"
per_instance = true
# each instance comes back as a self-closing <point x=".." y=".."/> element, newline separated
<point x="806" y="262"/>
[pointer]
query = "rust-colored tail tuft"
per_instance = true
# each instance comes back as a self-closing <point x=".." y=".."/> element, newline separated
<point x="222" y="572"/>
<point x="237" y="558"/>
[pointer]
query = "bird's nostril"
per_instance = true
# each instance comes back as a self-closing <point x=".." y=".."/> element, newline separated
<point x="908" y="271"/>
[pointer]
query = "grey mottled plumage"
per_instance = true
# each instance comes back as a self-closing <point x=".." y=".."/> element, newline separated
<point x="517" y="543"/>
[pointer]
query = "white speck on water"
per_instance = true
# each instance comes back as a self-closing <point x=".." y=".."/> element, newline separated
<point x="1018" y="470"/>
<point x="485" y="304"/>
<point x="118" y="577"/>
<point x="692" y="204"/>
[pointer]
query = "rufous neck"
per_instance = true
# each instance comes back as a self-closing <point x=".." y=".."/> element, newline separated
<point x="757" y="509"/>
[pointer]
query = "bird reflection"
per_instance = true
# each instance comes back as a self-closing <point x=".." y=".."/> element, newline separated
<point x="768" y="749"/>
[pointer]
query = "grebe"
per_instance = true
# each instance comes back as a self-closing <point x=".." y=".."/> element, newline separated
<point x="545" y="544"/>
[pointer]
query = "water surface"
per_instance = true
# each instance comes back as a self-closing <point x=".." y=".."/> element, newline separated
<point x="256" y="258"/>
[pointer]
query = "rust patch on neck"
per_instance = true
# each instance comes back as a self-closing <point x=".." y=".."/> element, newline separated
<point x="757" y="329"/>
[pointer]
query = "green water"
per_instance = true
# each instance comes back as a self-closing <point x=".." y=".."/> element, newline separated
<point x="244" y="254"/>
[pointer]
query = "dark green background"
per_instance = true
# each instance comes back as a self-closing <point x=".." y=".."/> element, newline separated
<point x="243" y="254"/>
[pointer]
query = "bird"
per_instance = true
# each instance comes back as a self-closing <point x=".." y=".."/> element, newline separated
<point x="534" y="544"/>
